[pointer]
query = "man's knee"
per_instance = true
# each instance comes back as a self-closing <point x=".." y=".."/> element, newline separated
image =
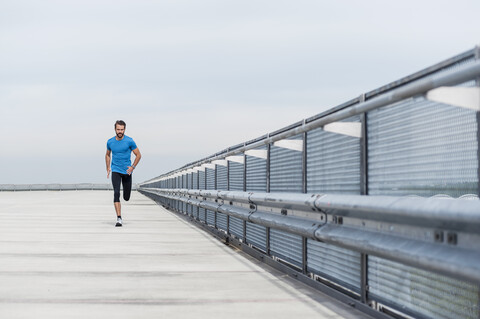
<point x="126" y="197"/>
<point x="116" y="196"/>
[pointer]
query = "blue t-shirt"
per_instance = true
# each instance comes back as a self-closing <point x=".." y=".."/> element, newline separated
<point x="121" y="152"/>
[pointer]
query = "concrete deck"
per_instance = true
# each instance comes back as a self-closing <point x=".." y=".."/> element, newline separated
<point x="62" y="257"/>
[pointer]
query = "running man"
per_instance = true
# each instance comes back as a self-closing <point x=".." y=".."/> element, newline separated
<point x="121" y="147"/>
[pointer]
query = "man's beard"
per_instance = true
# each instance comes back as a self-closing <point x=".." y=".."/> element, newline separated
<point x="119" y="135"/>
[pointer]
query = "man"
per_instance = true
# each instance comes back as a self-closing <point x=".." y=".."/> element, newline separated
<point x="121" y="147"/>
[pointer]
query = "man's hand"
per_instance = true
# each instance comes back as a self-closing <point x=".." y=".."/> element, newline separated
<point x="108" y="173"/>
<point x="130" y="170"/>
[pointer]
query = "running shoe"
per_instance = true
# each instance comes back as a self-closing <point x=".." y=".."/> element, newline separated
<point x="119" y="222"/>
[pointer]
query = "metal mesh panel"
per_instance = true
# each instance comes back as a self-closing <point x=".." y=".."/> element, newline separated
<point x="286" y="169"/>
<point x="257" y="236"/>
<point x="337" y="264"/>
<point x="210" y="218"/>
<point x="184" y="181"/>
<point x="188" y="182"/>
<point x="201" y="179"/>
<point x="454" y="66"/>
<point x="222" y="182"/>
<point x="222" y="221"/>
<point x="195" y="181"/>
<point x="256" y="173"/>
<point x="419" y="147"/>
<point x="202" y="214"/>
<point x="419" y="291"/>
<point x="236" y="227"/>
<point x="236" y="176"/>
<point x="286" y="246"/>
<point x="179" y="182"/>
<point x="195" y="211"/>
<point x="210" y="178"/>
<point x="183" y="207"/>
<point x="333" y="162"/>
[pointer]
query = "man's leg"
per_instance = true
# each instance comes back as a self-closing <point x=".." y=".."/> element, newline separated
<point x="127" y="186"/>
<point x="116" y="180"/>
<point x="118" y="208"/>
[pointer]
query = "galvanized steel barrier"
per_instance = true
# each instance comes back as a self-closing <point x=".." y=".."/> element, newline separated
<point x="376" y="198"/>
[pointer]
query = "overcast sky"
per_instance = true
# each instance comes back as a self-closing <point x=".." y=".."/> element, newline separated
<point x="191" y="77"/>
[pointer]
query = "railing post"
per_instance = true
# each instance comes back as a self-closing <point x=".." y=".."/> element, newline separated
<point x="198" y="187"/>
<point x="245" y="231"/>
<point x="228" y="175"/>
<point x="363" y="279"/>
<point x="267" y="246"/>
<point x="215" y="177"/>
<point x="215" y="186"/>
<point x="477" y="58"/>
<point x="244" y="189"/>
<point x="304" y="190"/>
<point x="228" y="188"/>
<point x="244" y="172"/>
<point x="268" y="167"/>
<point x="304" y="163"/>
<point x="304" y="255"/>
<point x="363" y="191"/>
<point x="363" y="152"/>
<point x="268" y="191"/>
<point x="205" y="187"/>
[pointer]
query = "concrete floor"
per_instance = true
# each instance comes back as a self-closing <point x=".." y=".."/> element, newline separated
<point x="62" y="257"/>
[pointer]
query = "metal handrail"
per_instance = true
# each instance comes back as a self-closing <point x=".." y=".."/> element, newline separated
<point x="450" y="259"/>
<point x="454" y="214"/>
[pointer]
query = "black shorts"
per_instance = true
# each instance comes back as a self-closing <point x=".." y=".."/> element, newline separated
<point x="126" y="181"/>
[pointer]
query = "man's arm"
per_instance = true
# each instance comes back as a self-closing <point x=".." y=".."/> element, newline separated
<point x="107" y="161"/>
<point x="138" y="156"/>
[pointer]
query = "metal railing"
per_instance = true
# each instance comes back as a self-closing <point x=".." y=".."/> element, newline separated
<point x="377" y="197"/>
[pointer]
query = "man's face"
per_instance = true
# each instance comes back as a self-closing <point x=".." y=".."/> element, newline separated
<point x="120" y="131"/>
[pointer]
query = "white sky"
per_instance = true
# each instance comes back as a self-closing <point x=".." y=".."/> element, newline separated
<point x="193" y="77"/>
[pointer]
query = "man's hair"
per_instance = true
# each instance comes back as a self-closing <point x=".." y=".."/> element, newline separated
<point x="120" y="122"/>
